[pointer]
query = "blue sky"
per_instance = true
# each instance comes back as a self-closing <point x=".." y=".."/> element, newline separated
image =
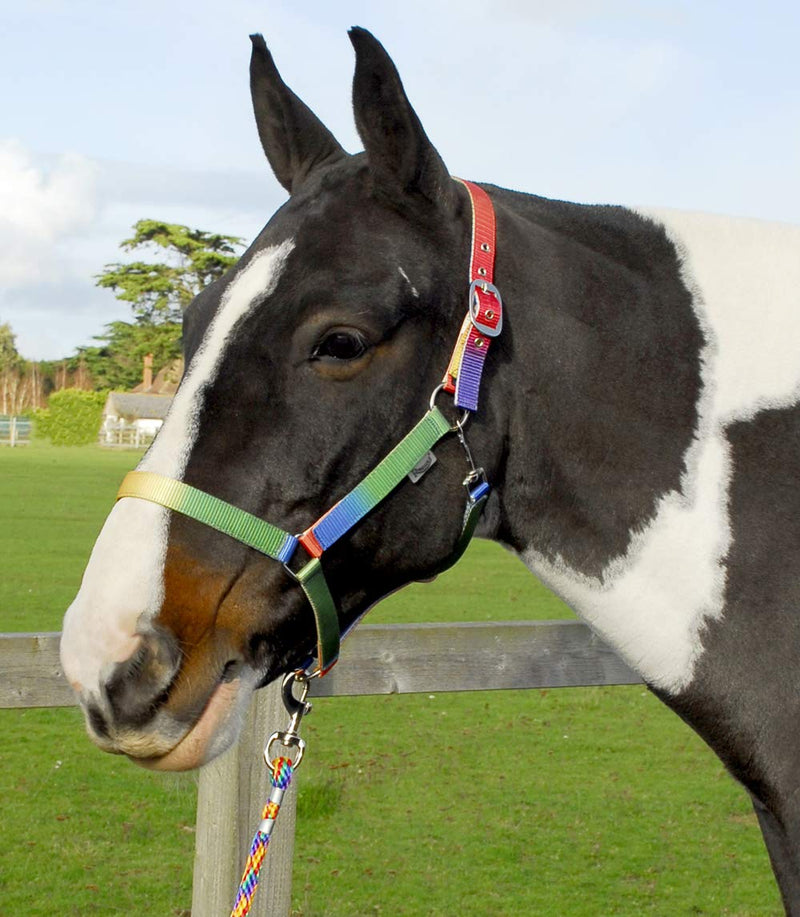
<point x="116" y="111"/>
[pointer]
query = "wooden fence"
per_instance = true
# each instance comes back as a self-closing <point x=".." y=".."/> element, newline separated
<point x="377" y="659"/>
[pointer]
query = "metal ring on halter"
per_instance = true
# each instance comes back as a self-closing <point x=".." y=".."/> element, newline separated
<point x="465" y="415"/>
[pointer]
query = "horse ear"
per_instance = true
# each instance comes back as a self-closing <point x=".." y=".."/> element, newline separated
<point x="401" y="158"/>
<point x="295" y="141"/>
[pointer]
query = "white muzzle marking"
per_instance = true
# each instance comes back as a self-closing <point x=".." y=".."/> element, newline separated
<point x="123" y="586"/>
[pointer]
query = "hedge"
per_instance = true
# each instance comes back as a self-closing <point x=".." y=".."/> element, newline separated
<point x="72" y="417"/>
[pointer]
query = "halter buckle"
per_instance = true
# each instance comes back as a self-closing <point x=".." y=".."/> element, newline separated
<point x="475" y="304"/>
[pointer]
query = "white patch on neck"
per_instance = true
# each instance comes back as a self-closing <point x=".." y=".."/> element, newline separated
<point x="123" y="586"/>
<point x="652" y="603"/>
<point x="405" y="277"/>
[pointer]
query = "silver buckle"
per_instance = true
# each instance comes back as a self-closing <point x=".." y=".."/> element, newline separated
<point x="474" y="304"/>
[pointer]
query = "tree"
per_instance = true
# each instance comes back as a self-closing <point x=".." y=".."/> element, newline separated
<point x="8" y="346"/>
<point x="159" y="291"/>
<point x="116" y="363"/>
<point x="10" y="372"/>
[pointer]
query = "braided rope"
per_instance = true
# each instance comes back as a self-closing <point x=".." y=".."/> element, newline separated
<point x="281" y="778"/>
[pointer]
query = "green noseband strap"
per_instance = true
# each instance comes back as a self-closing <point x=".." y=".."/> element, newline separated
<point x="281" y="546"/>
<point x="252" y="531"/>
<point x="216" y="513"/>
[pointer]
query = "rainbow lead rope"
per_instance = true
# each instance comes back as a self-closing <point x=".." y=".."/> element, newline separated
<point x="281" y="770"/>
<point x="281" y="778"/>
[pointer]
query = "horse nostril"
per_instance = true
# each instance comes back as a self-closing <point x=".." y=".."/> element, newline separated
<point x="138" y="685"/>
<point x="230" y="670"/>
<point x="97" y="721"/>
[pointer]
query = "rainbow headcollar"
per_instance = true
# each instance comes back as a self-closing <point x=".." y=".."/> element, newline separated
<point x="484" y="321"/>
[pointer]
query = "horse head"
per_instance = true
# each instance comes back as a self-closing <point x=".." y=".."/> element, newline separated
<point x="306" y="364"/>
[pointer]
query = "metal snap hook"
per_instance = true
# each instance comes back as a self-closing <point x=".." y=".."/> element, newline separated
<point x="297" y="708"/>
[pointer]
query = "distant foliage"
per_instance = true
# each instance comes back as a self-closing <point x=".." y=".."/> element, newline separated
<point x="72" y="417"/>
<point x="117" y="363"/>
<point x="160" y="291"/>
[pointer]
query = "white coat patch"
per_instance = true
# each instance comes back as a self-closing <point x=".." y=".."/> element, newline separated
<point x="651" y="604"/>
<point x="123" y="586"/>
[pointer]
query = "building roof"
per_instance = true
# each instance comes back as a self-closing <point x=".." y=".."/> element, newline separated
<point x="133" y="406"/>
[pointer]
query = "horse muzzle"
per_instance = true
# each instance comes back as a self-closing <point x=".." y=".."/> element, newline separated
<point x="146" y="707"/>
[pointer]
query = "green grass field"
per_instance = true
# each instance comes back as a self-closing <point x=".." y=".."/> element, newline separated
<point x="585" y="802"/>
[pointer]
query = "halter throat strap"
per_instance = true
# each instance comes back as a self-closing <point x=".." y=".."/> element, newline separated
<point x="482" y="322"/>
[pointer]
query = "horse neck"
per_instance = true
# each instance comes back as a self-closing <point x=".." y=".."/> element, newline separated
<point x="597" y="380"/>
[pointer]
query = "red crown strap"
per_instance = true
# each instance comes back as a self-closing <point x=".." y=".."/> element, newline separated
<point x="484" y="319"/>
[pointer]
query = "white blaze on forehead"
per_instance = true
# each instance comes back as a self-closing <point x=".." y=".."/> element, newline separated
<point x="652" y="603"/>
<point x="123" y="585"/>
<point x="170" y="452"/>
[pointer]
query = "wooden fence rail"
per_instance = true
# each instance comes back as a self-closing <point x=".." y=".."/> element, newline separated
<point x="377" y="659"/>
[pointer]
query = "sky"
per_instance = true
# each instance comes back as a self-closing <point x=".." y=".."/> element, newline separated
<point x="114" y="112"/>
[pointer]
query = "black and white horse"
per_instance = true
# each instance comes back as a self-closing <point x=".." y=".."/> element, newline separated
<point x="639" y="422"/>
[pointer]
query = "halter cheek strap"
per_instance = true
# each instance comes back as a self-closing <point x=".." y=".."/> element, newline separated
<point x="462" y="379"/>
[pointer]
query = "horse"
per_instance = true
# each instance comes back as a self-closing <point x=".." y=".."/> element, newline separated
<point x="636" y="444"/>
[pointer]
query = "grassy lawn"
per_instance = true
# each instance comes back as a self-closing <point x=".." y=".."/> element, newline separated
<point x="569" y="802"/>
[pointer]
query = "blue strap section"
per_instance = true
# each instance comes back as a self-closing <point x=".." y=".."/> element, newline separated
<point x="382" y="480"/>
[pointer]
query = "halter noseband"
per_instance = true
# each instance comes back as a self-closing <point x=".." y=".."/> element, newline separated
<point x="484" y="320"/>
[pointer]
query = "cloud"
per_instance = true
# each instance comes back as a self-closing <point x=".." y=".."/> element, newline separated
<point x="51" y="319"/>
<point x="234" y="202"/>
<point x="41" y="206"/>
<point x="62" y="219"/>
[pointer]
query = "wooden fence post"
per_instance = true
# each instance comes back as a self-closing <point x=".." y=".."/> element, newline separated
<point x="231" y="794"/>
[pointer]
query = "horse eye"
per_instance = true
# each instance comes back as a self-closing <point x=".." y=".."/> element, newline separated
<point x="341" y="345"/>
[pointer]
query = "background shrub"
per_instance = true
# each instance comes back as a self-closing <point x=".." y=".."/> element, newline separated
<point x="72" y="417"/>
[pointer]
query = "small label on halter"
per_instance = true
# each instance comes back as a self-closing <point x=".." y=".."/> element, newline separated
<point x="424" y="464"/>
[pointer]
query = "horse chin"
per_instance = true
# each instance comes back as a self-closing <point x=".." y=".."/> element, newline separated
<point x="214" y="732"/>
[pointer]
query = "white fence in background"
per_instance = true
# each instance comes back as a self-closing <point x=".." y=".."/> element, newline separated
<point x="14" y="431"/>
<point x="123" y="435"/>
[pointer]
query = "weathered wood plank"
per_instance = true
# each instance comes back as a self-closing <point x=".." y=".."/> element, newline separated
<point x="378" y="659"/>
<point x="413" y="658"/>
<point x="384" y="659"/>
<point x="30" y="672"/>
